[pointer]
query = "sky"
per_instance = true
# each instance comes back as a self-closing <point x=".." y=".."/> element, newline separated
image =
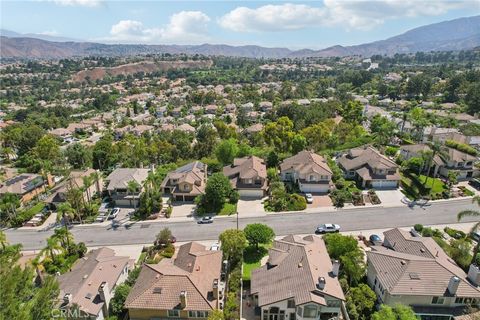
<point x="293" y="24"/>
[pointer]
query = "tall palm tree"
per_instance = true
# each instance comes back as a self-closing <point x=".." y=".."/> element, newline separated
<point x="472" y="213"/>
<point x="133" y="187"/>
<point x="87" y="182"/>
<point x="64" y="236"/>
<point x="96" y="176"/>
<point x="52" y="245"/>
<point x="436" y="149"/>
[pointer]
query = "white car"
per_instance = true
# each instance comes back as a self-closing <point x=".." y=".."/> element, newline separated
<point x="309" y="197"/>
<point x="327" y="228"/>
<point x="113" y="213"/>
<point x="215" y="246"/>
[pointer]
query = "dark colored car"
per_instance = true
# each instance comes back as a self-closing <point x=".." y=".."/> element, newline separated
<point x="375" y="239"/>
<point x="475" y="183"/>
<point x="205" y="220"/>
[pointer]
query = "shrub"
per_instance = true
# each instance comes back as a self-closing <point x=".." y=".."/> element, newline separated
<point x="168" y="251"/>
<point x="168" y="212"/>
<point x="457" y="234"/>
<point x="339" y="197"/>
<point x="297" y="202"/>
<point x="228" y="209"/>
<point x="418" y="227"/>
<point x="427" y="232"/>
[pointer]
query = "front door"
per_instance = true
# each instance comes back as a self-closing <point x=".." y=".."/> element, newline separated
<point x="273" y="317"/>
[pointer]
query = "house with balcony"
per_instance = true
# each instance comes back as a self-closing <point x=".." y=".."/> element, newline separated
<point x="187" y="286"/>
<point x="118" y="182"/>
<point x="415" y="271"/>
<point x="298" y="281"/>
<point x="309" y="170"/>
<point x="87" y="289"/>
<point x="370" y="168"/>
<point x="248" y="175"/>
<point x="186" y="182"/>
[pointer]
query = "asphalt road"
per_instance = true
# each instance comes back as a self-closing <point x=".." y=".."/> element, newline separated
<point x="290" y="223"/>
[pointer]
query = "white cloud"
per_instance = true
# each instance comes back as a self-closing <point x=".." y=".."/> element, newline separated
<point x="49" y="33"/>
<point x="80" y="3"/>
<point x="184" y="26"/>
<point x="350" y="14"/>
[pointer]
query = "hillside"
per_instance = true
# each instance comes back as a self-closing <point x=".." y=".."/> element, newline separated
<point x="458" y="34"/>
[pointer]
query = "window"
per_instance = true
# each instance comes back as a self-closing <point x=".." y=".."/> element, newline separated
<point x="291" y="303"/>
<point x="310" y="311"/>
<point x="202" y="314"/>
<point x="186" y="187"/>
<point x="299" y="311"/>
<point x="438" y="300"/>
<point x="173" y="313"/>
<point x="192" y="314"/>
<point x="312" y="178"/>
<point x="333" y="303"/>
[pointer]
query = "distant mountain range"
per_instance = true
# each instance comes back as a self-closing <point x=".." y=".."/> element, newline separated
<point x="453" y="35"/>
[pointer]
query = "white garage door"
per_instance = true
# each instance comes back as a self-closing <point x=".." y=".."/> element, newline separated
<point x="249" y="193"/>
<point x="308" y="188"/>
<point x="384" y="184"/>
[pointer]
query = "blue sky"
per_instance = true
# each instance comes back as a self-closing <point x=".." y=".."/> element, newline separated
<point x="293" y="24"/>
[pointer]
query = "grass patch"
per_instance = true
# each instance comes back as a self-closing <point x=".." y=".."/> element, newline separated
<point x="228" y="209"/>
<point x="416" y="187"/>
<point x="27" y="214"/>
<point x="252" y="258"/>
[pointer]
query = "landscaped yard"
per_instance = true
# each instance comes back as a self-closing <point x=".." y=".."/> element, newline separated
<point x="228" y="209"/>
<point x="415" y="187"/>
<point x="252" y="258"/>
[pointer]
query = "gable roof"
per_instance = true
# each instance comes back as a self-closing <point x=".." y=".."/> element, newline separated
<point x="88" y="273"/>
<point x="193" y="270"/>
<point x="246" y="168"/>
<point x="21" y="184"/>
<point x="305" y="162"/>
<point x="120" y="177"/>
<point x="192" y="173"/>
<point x="416" y="266"/>
<point x="366" y="155"/>
<point x="294" y="267"/>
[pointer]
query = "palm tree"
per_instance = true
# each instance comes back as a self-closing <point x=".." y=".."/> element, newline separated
<point x="52" y="245"/>
<point x="472" y="213"/>
<point x="87" y="182"/>
<point x="96" y="176"/>
<point x="64" y="236"/>
<point x="133" y="187"/>
<point x="436" y="149"/>
<point x="66" y="213"/>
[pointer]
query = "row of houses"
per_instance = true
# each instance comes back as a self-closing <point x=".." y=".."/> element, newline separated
<point x="297" y="281"/>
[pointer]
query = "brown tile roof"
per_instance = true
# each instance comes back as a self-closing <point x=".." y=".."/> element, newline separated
<point x="367" y="155"/>
<point x="74" y="180"/>
<point x="193" y="173"/>
<point x="250" y="167"/>
<point x="416" y="266"/>
<point x="300" y="263"/>
<point x="305" y="162"/>
<point x="193" y="269"/>
<point x="88" y="273"/>
<point x="21" y="184"/>
<point x="120" y="177"/>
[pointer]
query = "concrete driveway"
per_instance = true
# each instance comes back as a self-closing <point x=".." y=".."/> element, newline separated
<point x="183" y="209"/>
<point x="320" y="201"/>
<point x="390" y="197"/>
<point x="249" y="207"/>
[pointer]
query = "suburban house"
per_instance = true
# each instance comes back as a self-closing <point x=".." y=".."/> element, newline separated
<point x="371" y="168"/>
<point x="186" y="182"/>
<point x="415" y="271"/>
<point x="187" y="286"/>
<point x="309" y="170"/>
<point x="248" y="176"/>
<point x="449" y="160"/>
<point x="86" y="290"/>
<point x="75" y="181"/>
<point x="298" y="282"/>
<point x="117" y="185"/>
<point x="26" y="186"/>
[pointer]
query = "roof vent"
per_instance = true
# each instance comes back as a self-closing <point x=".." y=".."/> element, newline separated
<point x="321" y="283"/>
<point x="300" y="265"/>
<point x="157" y="290"/>
<point x="403" y="262"/>
<point x="85" y="276"/>
<point x="422" y="250"/>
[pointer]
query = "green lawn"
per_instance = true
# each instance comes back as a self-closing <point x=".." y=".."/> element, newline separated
<point x="414" y="186"/>
<point x="228" y="209"/>
<point x="252" y="258"/>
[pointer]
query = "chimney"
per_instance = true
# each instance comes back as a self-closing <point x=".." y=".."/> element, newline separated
<point x="335" y="268"/>
<point x="104" y="293"/>
<point x="183" y="299"/>
<point x="474" y="274"/>
<point x="67" y="298"/>
<point x="321" y="283"/>
<point x="453" y="285"/>
<point x="215" y="289"/>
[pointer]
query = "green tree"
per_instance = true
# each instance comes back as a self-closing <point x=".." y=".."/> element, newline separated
<point x="299" y="143"/>
<point x="78" y="156"/>
<point x="361" y="302"/>
<point x="257" y="233"/>
<point x="226" y="151"/>
<point x="234" y="243"/>
<point x="133" y="187"/>
<point x="163" y="238"/>
<point x="398" y="312"/>
<point x="217" y="191"/>
<point x="279" y="134"/>
<point x="472" y="99"/>
<point x="117" y="302"/>
<point x="216" y="315"/>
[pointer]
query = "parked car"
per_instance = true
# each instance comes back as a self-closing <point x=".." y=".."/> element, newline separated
<point x="327" y="228"/>
<point x="113" y="213"/>
<point x="215" y="246"/>
<point x="309" y="197"/>
<point x="101" y="217"/>
<point x="205" y="220"/>
<point x="475" y="183"/>
<point x="475" y="235"/>
<point x="375" y="240"/>
<point x="173" y="239"/>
